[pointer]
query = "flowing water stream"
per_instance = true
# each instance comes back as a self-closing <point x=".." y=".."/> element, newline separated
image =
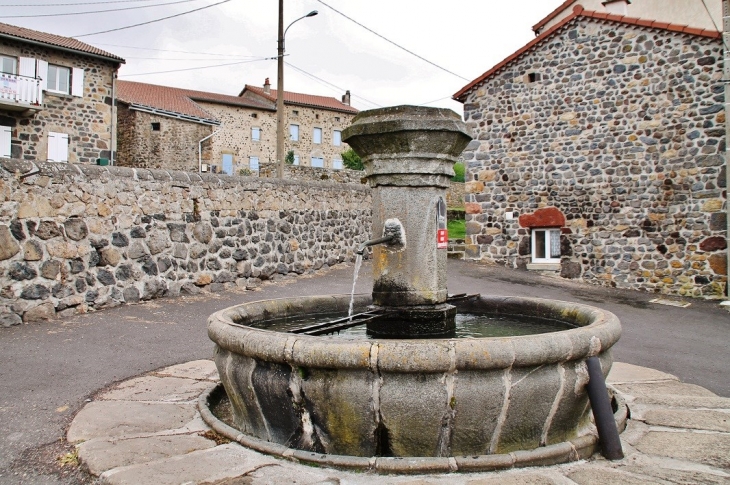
<point x="358" y="263"/>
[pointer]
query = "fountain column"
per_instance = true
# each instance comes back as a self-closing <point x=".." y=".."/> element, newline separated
<point x="409" y="153"/>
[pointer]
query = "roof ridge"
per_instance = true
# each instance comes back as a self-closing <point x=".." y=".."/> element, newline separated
<point x="54" y="40"/>
<point x="579" y="11"/>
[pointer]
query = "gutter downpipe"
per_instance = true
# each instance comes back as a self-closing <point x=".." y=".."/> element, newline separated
<point x="114" y="118"/>
<point x="200" y="150"/>
<point x="726" y="81"/>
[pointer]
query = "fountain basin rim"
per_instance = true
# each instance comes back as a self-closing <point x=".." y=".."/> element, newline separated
<point x="600" y="330"/>
<point x="579" y="448"/>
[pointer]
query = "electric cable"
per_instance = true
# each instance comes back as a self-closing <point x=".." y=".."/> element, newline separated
<point x="94" y="11"/>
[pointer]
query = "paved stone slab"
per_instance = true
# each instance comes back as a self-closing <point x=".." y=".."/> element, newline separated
<point x="624" y="373"/>
<point x="225" y="461"/>
<point x="666" y="387"/>
<point x="684" y="418"/>
<point x="687" y="401"/>
<point x="112" y="419"/>
<point x="609" y="476"/>
<point x="515" y="478"/>
<point x="708" y="448"/>
<point x="195" y="369"/>
<point x="153" y="388"/>
<point x="682" y="476"/>
<point x="101" y="455"/>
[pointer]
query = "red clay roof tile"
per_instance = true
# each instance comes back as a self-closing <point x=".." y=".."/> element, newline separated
<point x="553" y="14"/>
<point x="52" y="40"/>
<point x="176" y="100"/>
<point x="325" y="102"/>
<point x="579" y="11"/>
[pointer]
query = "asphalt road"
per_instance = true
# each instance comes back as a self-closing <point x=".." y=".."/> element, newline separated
<point x="48" y="370"/>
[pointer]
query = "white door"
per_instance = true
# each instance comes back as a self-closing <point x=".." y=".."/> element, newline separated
<point x="5" y="137"/>
<point x="57" y="147"/>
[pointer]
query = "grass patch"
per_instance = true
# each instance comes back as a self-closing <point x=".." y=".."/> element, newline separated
<point x="457" y="229"/>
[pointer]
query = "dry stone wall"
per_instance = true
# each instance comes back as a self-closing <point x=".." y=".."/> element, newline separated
<point x="294" y="172"/>
<point x="76" y="237"/>
<point x="622" y="133"/>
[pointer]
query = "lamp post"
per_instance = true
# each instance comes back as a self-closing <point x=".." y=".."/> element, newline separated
<point x="280" y="89"/>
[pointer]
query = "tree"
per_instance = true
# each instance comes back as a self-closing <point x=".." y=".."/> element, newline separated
<point x="289" y="159"/>
<point x="459" y="172"/>
<point x="352" y="160"/>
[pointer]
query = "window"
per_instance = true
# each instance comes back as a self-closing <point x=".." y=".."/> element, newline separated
<point x="337" y="164"/>
<point x="6" y="134"/>
<point x="546" y="245"/>
<point x="57" y="147"/>
<point x="155" y="126"/>
<point x="295" y="113"/>
<point x="337" y="138"/>
<point x="296" y="159"/>
<point x="317" y="135"/>
<point x="8" y="65"/>
<point x="318" y="162"/>
<point x="59" y="79"/>
<point x="256" y="134"/>
<point x="294" y="132"/>
<point x="534" y="77"/>
<point x="337" y="118"/>
<point x="253" y="163"/>
<point x="227" y="163"/>
<point x="254" y="115"/>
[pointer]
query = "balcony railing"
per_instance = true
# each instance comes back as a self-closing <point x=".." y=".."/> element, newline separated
<point x="22" y="90"/>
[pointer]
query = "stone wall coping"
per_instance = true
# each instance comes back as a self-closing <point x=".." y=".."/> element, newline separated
<point x="599" y="330"/>
<point x="65" y="171"/>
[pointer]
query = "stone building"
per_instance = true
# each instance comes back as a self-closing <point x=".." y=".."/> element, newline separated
<point x="598" y="153"/>
<point x="182" y="129"/>
<point x="55" y="97"/>
<point x="314" y="125"/>
<point x="701" y="14"/>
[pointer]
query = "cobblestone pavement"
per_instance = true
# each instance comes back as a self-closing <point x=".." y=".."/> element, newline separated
<point x="147" y="430"/>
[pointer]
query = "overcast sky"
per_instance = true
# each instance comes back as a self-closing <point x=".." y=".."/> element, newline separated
<point x="466" y="37"/>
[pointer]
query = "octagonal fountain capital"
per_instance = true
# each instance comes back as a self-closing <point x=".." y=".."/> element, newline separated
<point x="408" y="145"/>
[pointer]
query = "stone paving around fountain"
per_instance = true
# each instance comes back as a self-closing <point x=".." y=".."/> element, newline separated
<point x="147" y="430"/>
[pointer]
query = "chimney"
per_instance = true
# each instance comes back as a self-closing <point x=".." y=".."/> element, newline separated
<point x="617" y="7"/>
<point x="346" y="98"/>
<point x="267" y="86"/>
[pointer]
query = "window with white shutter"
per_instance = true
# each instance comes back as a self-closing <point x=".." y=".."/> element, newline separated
<point x="57" y="147"/>
<point x="77" y="82"/>
<point x="5" y="137"/>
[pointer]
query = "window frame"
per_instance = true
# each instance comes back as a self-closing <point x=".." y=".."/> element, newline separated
<point x="292" y="129"/>
<point x="14" y="60"/>
<point x="54" y="139"/>
<point x="55" y="88"/>
<point x="549" y="242"/>
<point x="338" y="164"/>
<point x="337" y="138"/>
<point x="255" y="133"/>
<point x="317" y="136"/>
<point x="251" y="160"/>
<point x="296" y="160"/>
<point x="311" y="162"/>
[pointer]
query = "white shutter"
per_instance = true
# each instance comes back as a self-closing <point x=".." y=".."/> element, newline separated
<point x="5" y="136"/>
<point x="42" y="73"/>
<point x="57" y="147"/>
<point x="27" y="67"/>
<point x="77" y="82"/>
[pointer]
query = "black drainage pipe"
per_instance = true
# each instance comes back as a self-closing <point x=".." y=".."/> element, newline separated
<point x="602" y="412"/>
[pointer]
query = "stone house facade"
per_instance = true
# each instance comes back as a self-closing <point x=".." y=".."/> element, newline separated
<point x="314" y="125"/>
<point x="56" y="97"/>
<point x="598" y="153"/>
<point x="182" y="129"/>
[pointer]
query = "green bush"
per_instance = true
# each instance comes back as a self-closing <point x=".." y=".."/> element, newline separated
<point x="456" y="228"/>
<point x="352" y="160"/>
<point x="459" y="171"/>
<point x="289" y="158"/>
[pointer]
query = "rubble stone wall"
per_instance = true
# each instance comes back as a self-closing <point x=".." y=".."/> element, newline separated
<point x="298" y="172"/>
<point x="80" y="237"/>
<point x="620" y="130"/>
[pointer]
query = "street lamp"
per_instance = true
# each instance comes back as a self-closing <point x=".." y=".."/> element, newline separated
<point x="280" y="89"/>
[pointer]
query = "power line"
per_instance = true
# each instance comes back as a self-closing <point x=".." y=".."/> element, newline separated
<point x="94" y="11"/>
<point x="327" y="83"/>
<point x="391" y="42"/>
<point x="170" y="50"/>
<point x="152" y="21"/>
<point x="74" y="4"/>
<point x="255" y="58"/>
<point x="192" y="68"/>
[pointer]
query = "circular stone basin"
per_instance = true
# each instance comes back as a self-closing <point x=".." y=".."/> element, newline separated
<point x="411" y="398"/>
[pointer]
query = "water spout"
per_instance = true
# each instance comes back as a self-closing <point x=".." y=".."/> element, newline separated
<point x="393" y="235"/>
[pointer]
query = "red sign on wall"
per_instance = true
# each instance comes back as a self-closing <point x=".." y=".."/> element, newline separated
<point x="442" y="239"/>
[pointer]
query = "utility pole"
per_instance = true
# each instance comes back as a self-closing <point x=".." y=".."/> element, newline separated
<point x="280" y="96"/>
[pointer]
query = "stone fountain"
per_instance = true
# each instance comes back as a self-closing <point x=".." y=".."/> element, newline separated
<point x="411" y="392"/>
